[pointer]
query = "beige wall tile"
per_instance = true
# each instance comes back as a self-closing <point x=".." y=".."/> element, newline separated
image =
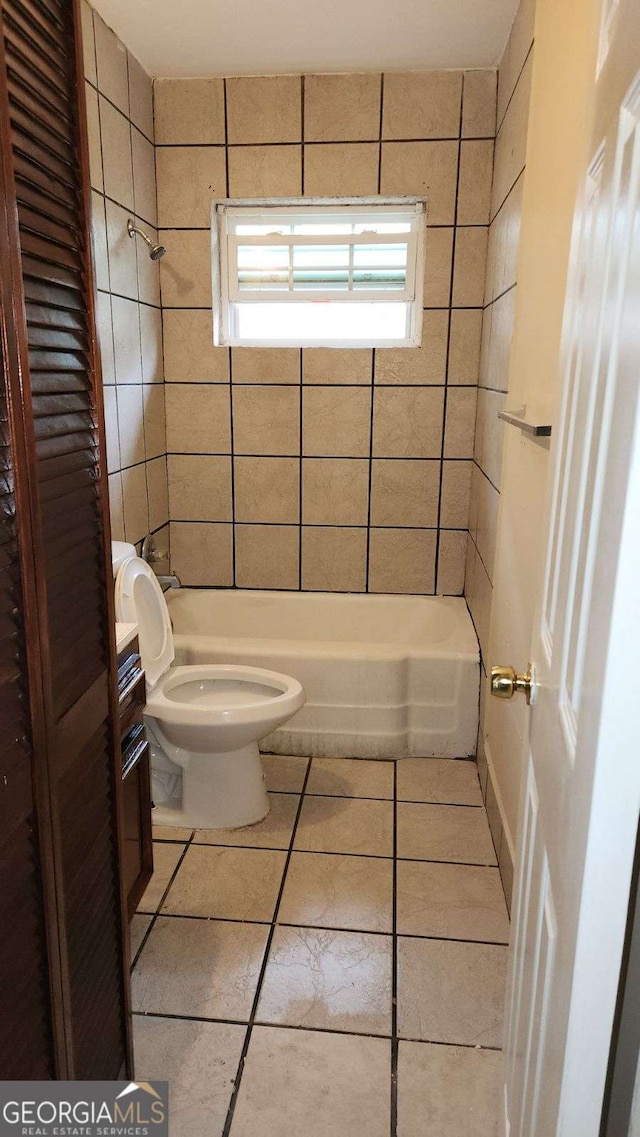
<point x="134" y="504"/>
<point x="189" y="111"/>
<point x="456" y="489"/>
<point x="426" y="169"/>
<point x="112" y="65"/>
<point x="126" y="335"/>
<point x="93" y="138"/>
<point x="123" y="268"/>
<point x="341" y="107"/>
<point x="421" y="104"/>
<point x="464" y="345"/>
<point x="334" y="560"/>
<point x="151" y="343"/>
<point x="460" y="422"/>
<point x="267" y="489"/>
<point x="116" y="512"/>
<point x="407" y="423"/>
<point x="336" y="365"/>
<point x="189" y="179"/>
<point x="267" y="556"/>
<point x="474" y="191"/>
<point x="437" y="267"/>
<point x="105" y="337"/>
<point x="511" y="142"/>
<point x="189" y="354"/>
<point x="405" y="492"/>
<point x="504" y="242"/>
<point x="424" y="364"/>
<point x="451" y="562"/>
<point x="99" y="241"/>
<point x="479" y="104"/>
<point x="155" y="439"/>
<point x="470" y="265"/>
<point x="402" y="560"/>
<point x="88" y="42"/>
<point x="478" y="592"/>
<point x="489" y="433"/>
<point x="144" y="177"/>
<point x="116" y="155"/>
<point x="198" y="418"/>
<point x="199" y="488"/>
<point x="111" y="429"/>
<point x="335" y="491"/>
<point x="266" y="365"/>
<point x="486" y="519"/>
<point x="265" y="171"/>
<point x="202" y="554"/>
<point x="140" y="97"/>
<point x="515" y="53"/>
<point x="336" y="421"/>
<point x="336" y="170"/>
<point x="185" y="272"/>
<point x="157" y="492"/>
<point x="148" y="270"/>
<point x="266" y="420"/>
<point x="264" y="109"/>
<point x="497" y="335"/>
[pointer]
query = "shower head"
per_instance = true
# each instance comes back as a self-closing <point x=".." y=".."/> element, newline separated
<point x="155" y="251"/>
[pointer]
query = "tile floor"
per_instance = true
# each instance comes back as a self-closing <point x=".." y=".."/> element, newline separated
<point x="337" y="970"/>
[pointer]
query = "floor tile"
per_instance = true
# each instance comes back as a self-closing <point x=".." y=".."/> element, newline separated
<point x="445" y="833"/>
<point x="165" y="859"/>
<point x="320" y="1085"/>
<point x="171" y="833"/>
<point x="346" y="825"/>
<point x="331" y="980"/>
<point x="326" y="890"/>
<point x="351" y="777"/>
<point x="272" y="833"/>
<point x="199" y="968"/>
<point x="137" y="930"/>
<point x="232" y="884"/>
<point x="448" y="1091"/>
<point x="446" y="781"/>
<point x="451" y="992"/>
<point x="284" y="774"/>
<point x="460" y="902"/>
<point x="199" y="1060"/>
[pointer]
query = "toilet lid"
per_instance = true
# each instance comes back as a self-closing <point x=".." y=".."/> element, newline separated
<point x="139" y="600"/>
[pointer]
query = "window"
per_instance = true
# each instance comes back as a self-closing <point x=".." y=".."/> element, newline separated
<point x="318" y="273"/>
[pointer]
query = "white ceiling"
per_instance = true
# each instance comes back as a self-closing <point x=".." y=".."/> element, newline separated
<point x="244" y="37"/>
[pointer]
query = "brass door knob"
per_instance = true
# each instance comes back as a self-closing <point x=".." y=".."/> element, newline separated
<point x="505" y="681"/>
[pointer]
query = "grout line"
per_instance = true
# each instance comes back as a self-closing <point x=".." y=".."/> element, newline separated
<point x="310" y="141"/>
<point x="500" y="124"/>
<point x="394" y="965"/>
<point x="230" y="353"/>
<point x="238" y="1078"/>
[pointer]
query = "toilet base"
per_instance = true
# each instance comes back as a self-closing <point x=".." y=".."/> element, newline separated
<point x="219" y="791"/>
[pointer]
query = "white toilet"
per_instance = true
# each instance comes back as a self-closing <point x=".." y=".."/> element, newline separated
<point x="203" y="721"/>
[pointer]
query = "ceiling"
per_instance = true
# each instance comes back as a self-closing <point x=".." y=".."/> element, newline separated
<point x="264" y="37"/>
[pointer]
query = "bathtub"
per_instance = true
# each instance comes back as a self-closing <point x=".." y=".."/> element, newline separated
<point x="385" y="676"/>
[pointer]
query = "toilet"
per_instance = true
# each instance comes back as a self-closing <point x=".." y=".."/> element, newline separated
<point x="203" y="722"/>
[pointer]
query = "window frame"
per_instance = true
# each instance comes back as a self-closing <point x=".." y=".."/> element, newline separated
<point x="225" y="297"/>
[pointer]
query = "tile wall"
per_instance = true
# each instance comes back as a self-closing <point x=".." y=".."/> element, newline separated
<point x="122" y="166"/>
<point x="514" y="83"/>
<point x="333" y="470"/>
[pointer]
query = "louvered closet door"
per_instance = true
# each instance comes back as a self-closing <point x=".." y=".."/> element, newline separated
<point x="63" y="425"/>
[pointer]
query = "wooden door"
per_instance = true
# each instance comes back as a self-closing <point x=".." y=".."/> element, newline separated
<point x="582" y="777"/>
<point x="49" y="272"/>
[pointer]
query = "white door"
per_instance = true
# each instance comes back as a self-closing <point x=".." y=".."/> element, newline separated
<point x="581" y="798"/>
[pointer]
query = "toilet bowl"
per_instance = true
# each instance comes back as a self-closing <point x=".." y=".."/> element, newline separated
<point x="204" y="721"/>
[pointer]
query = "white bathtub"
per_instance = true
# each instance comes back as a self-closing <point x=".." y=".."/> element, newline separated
<point x="385" y="676"/>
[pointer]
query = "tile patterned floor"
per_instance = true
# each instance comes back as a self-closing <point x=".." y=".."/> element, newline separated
<point x="337" y="970"/>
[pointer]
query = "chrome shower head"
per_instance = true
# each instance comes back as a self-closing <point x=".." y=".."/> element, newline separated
<point x="155" y="251"/>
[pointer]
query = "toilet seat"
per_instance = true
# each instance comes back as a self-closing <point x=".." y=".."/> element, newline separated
<point x="217" y="694"/>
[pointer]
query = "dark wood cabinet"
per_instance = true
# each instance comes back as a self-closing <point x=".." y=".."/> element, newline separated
<point x="64" y="988"/>
<point x="137" y="865"/>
